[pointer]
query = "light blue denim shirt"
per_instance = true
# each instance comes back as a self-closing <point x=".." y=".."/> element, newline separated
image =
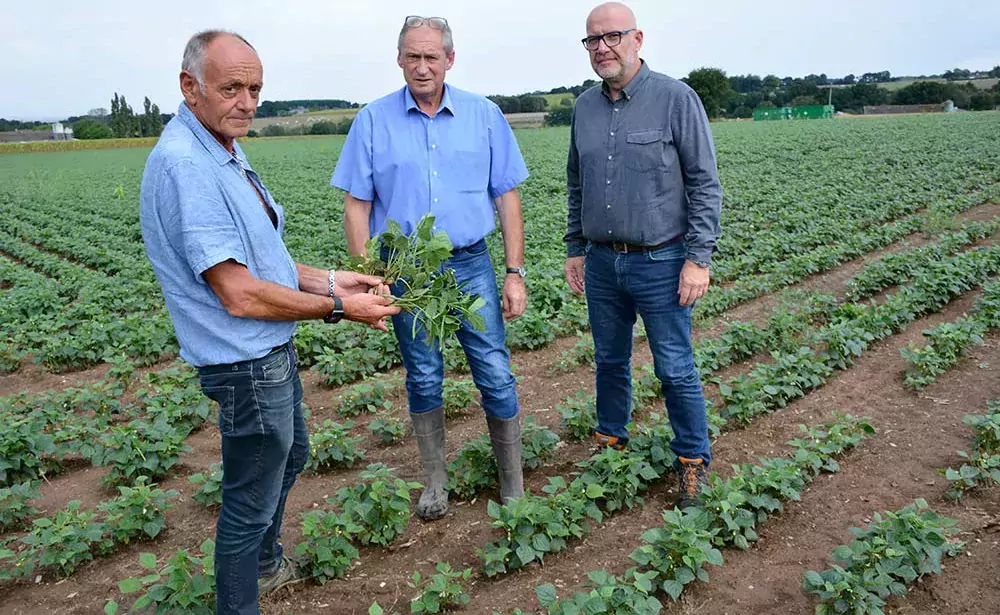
<point x="198" y="210"/>
<point x="452" y="165"/>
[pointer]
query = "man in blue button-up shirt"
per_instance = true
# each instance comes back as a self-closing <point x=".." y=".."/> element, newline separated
<point x="432" y="148"/>
<point x="213" y="235"/>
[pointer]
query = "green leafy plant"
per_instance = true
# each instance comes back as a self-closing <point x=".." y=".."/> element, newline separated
<point x="440" y="592"/>
<point x="581" y="353"/>
<point x="15" y="507"/>
<point x="331" y="446"/>
<point x="388" y="428"/>
<point x="679" y="550"/>
<point x="139" y="449"/>
<point x="538" y="443"/>
<point x="184" y="583"/>
<point x="615" y="478"/>
<point x="458" y="395"/>
<point x="209" y="486"/>
<point x="366" y="397"/>
<point x="61" y="543"/>
<point x="379" y="504"/>
<point x="325" y="549"/>
<point x="983" y="465"/>
<point x="474" y="469"/>
<point x="893" y="551"/>
<point x="579" y="416"/>
<point x="137" y="512"/>
<point x="630" y="595"/>
<point x="432" y="296"/>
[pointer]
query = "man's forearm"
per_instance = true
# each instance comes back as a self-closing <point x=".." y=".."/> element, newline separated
<point x="356" y="214"/>
<point x="270" y="301"/>
<point x="512" y="227"/>
<point x="313" y="280"/>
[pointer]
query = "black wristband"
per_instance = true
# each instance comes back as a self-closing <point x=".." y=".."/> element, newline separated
<point x="337" y="313"/>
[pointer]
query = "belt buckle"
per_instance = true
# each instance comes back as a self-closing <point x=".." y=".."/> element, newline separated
<point x="620" y="247"/>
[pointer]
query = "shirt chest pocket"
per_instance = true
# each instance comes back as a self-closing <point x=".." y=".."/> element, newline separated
<point x="644" y="150"/>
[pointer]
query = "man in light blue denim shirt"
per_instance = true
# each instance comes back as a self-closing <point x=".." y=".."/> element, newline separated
<point x="433" y="148"/>
<point x="213" y="235"/>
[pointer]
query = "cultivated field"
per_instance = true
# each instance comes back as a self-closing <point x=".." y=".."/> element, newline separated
<point x="856" y="275"/>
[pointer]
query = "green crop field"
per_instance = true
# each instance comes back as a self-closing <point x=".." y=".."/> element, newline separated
<point x="856" y="274"/>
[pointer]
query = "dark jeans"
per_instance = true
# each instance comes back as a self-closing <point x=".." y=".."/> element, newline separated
<point x="264" y="447"/>
<point x="486" y="351"/>
<point x="619" y="286"/>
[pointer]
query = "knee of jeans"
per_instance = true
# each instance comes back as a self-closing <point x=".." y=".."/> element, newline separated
<point x="242" y="524"/>
<point x="676" y="373"/>
<point x="500" y="398"/>
<point x="423" y="393"/>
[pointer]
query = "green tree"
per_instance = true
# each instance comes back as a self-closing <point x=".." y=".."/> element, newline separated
<point x="91" y="129"/>
<point x="995" y="72"/>
<point x="560" y="116"/>
<point x="124" y="122"/>
<point x="983" y="101"/>
<point x="151" y="124"/>
<point x="712" y="87"/>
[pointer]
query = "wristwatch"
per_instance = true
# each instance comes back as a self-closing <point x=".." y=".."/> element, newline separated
<point x="337" y="313"/>
<point x="518" y="270"/>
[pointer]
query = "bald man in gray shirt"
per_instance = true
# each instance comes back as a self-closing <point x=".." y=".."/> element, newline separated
<point x="644" y="208"/>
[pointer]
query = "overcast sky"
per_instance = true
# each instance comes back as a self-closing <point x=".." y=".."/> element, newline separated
<point x="62" y="58"/>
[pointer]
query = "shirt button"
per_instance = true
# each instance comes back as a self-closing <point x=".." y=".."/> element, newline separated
<point x="609" y="182"/>
<point x="435" y="200"/>
<point x="609" y="156"/>
<point x="435" y="172"/>
<point x="616" y="109"/>
<point x="609" y="232"/>
<point x="612" y="134"/>
<point x="609" y="207"/>
<point x="434" y="146"/>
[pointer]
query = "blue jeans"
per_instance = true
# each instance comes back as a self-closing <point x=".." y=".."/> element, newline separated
<point x="264" y="447"/>
<point x="486" y="351"/>
<point x="619" y="286"/>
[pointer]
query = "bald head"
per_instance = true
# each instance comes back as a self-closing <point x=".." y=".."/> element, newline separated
<point x="612" y="28"/>
<point x="614" y="13"/>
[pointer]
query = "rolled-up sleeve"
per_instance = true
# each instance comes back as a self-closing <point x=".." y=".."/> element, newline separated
<point x="575" y="243"/>
<point x="353" y="172"/>
<point x="696" y="150"/>
<point x="507" y="168"/>
<point x="192" y="203"/>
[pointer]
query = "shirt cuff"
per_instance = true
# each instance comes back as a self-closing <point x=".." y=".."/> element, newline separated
<point x="575" y="249"/>
<point x="700" y="254"/>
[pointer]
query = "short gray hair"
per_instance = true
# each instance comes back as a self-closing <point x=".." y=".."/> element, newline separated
<point x="439" y="23"/>
<point x="197" y="48"/>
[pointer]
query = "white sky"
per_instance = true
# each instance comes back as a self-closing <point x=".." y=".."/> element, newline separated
<point x="61" y="58"/>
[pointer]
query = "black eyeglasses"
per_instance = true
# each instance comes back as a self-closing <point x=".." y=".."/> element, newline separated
<point x="611" y="39"/>
<point x="415" y="21"/>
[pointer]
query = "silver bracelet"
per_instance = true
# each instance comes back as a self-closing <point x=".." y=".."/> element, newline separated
<point x="330" y="279"/>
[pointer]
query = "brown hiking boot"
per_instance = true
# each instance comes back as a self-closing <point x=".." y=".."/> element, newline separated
<point x="692" y="477"/>
<point x="604" y="441"/>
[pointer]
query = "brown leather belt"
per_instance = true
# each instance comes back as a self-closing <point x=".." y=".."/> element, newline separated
<point x="618" y="246"/>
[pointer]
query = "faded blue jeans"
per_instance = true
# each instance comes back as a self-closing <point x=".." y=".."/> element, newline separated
<point x="264" y="447"/>
<point x="619" y="286"/>
<point x="486" y="351"/>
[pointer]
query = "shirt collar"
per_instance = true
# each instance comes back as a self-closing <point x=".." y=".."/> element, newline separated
<point x="446" y="103"/>
<point x="634" y="85"/>
<point x="207" y="139"/>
